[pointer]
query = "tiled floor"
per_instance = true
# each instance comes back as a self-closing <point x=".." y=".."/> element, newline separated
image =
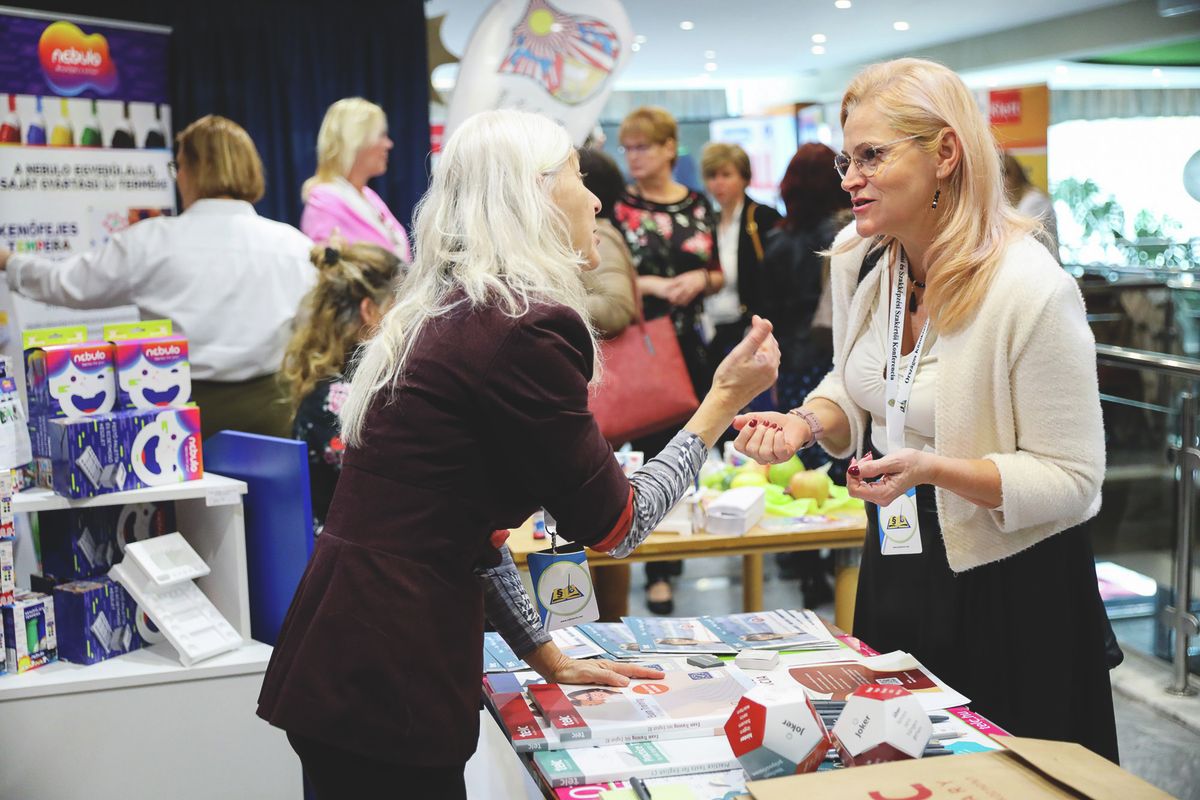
<point x="1161" y="745"/>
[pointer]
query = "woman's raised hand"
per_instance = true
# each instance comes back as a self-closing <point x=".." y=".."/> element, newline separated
<point x="750" y="368"/>
<point x="770" y="437"/>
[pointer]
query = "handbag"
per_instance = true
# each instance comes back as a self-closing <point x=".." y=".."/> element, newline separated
<point x="645" y="386"/>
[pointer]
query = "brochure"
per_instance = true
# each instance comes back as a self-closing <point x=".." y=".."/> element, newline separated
<point x="496" y="651"/>
<point x="835" y="681"/>
<point x="686" y="635"/>
<point x="615" y="637"/>
<point x="771" y="630"/>
<point x="574" y="644"/>
<point x="635" y="760"/>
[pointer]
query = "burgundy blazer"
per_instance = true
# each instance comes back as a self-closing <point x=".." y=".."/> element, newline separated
<point x="381" y="651"/>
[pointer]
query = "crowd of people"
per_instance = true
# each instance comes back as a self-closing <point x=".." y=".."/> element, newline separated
<point x="900" y="313"/>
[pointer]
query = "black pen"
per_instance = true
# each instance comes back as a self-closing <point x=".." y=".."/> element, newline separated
<point x="639" y="788"/>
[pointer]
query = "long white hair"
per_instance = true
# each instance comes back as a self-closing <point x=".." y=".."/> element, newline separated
<point x="487" y="227"/>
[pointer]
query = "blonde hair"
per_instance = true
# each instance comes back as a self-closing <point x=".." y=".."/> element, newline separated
<point x="653" y="124"/>
<point x="487" y="229"/>
<point x="349" y="124"/>
<point x="717" y="154"/>
<point x="922" y="98"/>
<point x="221" y="159"/>
<point x="332" y="321"/>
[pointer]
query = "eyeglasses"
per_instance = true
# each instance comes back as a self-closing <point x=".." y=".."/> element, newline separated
<point x="869" y="162"/>
<point x="173" y="169"/>
<point x="636" y="149"/>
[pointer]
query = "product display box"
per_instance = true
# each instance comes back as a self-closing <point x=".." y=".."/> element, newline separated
<point x="1028" y="769"/>
<point x="8" y="573"/>
<point x="151" y="364"/>
<point x="66" y="377"/>
<point x="125" y="450"/>
<point x="30" y="639"/>
<point x="85" y="542"/>
<point x="97" y="620"/>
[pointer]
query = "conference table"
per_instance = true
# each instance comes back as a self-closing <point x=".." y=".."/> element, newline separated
<point x="841" y="530"/>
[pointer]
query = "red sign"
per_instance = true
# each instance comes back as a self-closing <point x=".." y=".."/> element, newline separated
<point x="1004" y="106"/>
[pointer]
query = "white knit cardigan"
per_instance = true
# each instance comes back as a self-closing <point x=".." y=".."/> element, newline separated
<point x="1016" y="385"/>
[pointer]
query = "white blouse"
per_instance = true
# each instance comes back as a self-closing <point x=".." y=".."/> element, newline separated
<point x="866" y="378"/>
<point x="230" y="280"/>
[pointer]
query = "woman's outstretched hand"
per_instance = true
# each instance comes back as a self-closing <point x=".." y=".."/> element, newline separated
<point x="769" y="437"/>
<point x="600" y="671"/>
<point x="750" y="368"/>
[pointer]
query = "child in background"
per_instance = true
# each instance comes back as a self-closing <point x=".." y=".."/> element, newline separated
<point x="355" y="287"/>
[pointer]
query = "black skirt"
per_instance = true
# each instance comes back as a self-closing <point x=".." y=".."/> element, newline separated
<point x="1023" y="637"/>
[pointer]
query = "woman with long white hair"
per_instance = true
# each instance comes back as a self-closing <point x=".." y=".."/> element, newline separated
<point x="964" y="382"/>
<point x="467" y="412"/>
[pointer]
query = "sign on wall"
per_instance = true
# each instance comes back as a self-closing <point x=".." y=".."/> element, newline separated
<point x="1020" y="118"/>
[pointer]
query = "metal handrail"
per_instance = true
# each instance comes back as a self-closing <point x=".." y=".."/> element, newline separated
<point x="1187" y="458"/>
<point x="1147" y="359"/>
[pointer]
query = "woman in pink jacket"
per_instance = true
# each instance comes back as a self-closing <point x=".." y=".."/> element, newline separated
<point x="352" y="148"/>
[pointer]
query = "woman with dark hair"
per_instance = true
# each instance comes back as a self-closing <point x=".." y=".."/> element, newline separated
<point x="610" y="301"/>
<point x="793" y="268"/>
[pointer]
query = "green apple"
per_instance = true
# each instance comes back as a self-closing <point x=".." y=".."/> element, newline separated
<point x="814" y="484"/>
<point x="748" y="478"/>
<point x="780" y="474"/>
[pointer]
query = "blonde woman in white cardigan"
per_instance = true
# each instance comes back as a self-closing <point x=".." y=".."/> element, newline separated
<point x="981" y="460"/>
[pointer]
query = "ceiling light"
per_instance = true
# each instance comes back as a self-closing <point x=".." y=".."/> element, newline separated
<point x="818" y="50"/>
<point x="687" y="25"/>
<point x="900" y="25"/>
<point x="711" y="66"/>
<point x="710" y="54"/>
<point x="818" y="38"/>
<point x="993" y="83"/>
<point x="639" y="39"/>
<point x="842" y="3"/>
<point x="1156" y="72"/>
<point x="1062" y="69"/>
<point x="635" y="47"/>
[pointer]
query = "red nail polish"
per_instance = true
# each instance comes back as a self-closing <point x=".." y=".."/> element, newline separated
<point x="753" y="422"/>
<point x="853" y="471"/>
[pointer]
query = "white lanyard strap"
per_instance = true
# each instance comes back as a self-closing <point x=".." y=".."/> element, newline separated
<point x="900" y="389"/>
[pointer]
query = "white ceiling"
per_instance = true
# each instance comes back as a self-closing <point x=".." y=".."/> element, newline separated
<point x="755" y="39"/>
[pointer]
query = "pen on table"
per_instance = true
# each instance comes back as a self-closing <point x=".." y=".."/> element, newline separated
<point x="639" y="788"/>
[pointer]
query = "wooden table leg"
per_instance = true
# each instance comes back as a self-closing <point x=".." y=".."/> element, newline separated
<point x="752" y="582"/>
<point x="845" y="588"/>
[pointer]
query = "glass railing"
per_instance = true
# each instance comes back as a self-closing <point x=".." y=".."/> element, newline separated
<point x="1144" y="536"/>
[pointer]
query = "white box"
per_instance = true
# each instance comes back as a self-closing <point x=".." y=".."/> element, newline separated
<point x="736" y="511"/>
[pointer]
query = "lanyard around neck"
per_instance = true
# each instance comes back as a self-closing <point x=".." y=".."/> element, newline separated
<point x="899" y="389"/>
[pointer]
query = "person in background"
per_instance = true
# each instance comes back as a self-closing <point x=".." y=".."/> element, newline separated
<point x="1032" y="202"/>
<point x="467" y="412"/>
<point x="611" y="308"/>
<point x="352" y="148"/>
<point x="670" y="231"/>
<point x="610" y="301"/>
<point x="355" y="286"/>
<point x="742" y="230"/>
<point x="795" y="269"/>
<point x="964" y="382"/>
<point x="228" y="279"/>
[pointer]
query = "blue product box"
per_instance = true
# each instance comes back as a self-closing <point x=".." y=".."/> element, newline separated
<point x="153" y="373"/>
<point x="82" y="543"/>
<point x="125" y="450"/>
<point x="30" y="638"/>
<point x="97" y="620"/>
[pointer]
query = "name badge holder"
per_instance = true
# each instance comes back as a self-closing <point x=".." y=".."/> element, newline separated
<point x="899" y="528"/>
<point x="562" y="583"/>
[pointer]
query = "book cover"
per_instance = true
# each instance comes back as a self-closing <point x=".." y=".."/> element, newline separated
<point x="772" y="630"/>
<point x="691" y="702"/>
<point x="615" y="637"/>
<point x="686" y="635"/>
<point x="635" y="760"/>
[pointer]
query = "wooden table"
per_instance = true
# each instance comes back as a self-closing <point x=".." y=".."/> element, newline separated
<point x="846" y="530"/>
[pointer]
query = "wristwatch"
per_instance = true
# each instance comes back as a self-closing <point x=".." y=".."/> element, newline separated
<point x="814" y="425"/>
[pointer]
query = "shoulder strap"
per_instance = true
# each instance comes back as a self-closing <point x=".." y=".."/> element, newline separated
<point x="869" y="261"/>
<point x="752" y="229"/>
